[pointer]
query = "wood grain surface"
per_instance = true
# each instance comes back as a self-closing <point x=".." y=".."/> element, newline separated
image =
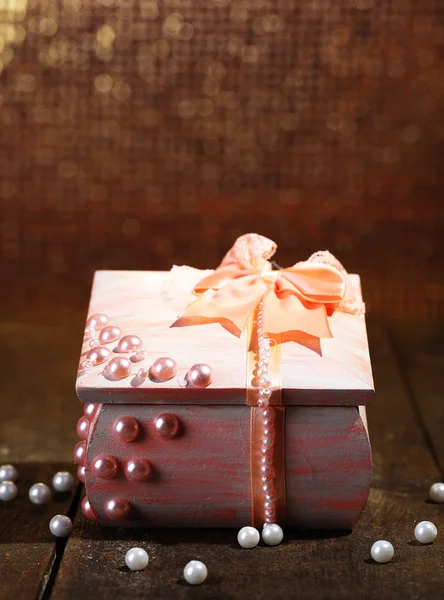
<point x="405" y="420"/>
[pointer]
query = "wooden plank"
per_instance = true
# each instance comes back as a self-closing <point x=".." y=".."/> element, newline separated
<point x="37" y="426"/>
<point x="421" y="351"/>
<point x="312" y="566"/>
<point x="28" y="549"/>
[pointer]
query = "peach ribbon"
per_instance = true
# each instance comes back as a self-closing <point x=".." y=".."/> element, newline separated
<point x="296" y="299"/>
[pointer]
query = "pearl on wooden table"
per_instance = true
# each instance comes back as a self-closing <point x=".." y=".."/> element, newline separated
<point x="63" y="481"/>
<point x="142" y="373"/>
<point x="39" y="493"/>
<point x="8" y="473"/>
<point x="272" y="534"/>
<point x="436" y="492"/>
<point x="136" y="559"/>
<point x="248" y="537"/>
<point x="382" y="551"/>
<point x="60" y="525"/>
<point x="195" y="572"/>
<point x="8" y="491"/>
<point x="426" y="532"/>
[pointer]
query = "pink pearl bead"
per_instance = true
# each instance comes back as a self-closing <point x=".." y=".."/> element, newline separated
<point x="268" y="413"/>
<point x="126" y="428"/>
<point x="199" y="375"/>
<point x="105" y="467"/>
<point x="110" y="334"/>
<point x="137" y="470"/>
<point x="83" y="428"/>
<point x="266" y="461"/>
<point x="267" y="442"/>
<point x="270" y="505"/>
<point x="269" y="489"/>
<point x="90" y="410"/>
<point x="98" y="355"/>
<point x="269" y="432"/>
<point x="267" y="469"/>
<point x="81" y="474"/>
<point x="97" y="321"/>
<point x="142" y="373"/>
<point x="265" y="393"/>
<point x="163" y="369"/>
<point x="129" y="343"/>
<point x="80" y="453"/>
<point x="88" y="510"/>
<point x="267" y="450"/>
<point x="118" y="368"/>
<point x="93" y="344"/>
<point x="166" y="425"/>
<point x="117" y="509"/>
<point x="263" y="403"/>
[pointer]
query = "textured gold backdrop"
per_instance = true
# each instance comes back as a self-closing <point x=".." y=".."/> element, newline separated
<point x="141" y="133"/>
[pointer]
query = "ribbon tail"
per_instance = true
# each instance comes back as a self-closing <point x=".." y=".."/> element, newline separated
<point x="286" y="313"/>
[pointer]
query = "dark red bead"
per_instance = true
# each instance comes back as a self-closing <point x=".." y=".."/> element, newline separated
<point x="166" y="425"/>
<point x="117" y="509"/>
<point x="81" y="474"/>
<point x="90" y="410"/>
<point x="137" y="469"/>
<point x="80" y="453"/>
<point x="87" y="510"/>
<point x="126" y="428"/>
<point x="105" y="466"/>
<point x="83" y="428"/>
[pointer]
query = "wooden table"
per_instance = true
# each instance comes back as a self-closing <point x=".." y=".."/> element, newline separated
<point x="37" y="434"/>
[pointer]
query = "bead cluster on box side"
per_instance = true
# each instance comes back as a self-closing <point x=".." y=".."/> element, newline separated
<point x="268" y="418"/>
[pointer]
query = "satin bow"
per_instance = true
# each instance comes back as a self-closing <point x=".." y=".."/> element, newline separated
<point x="299" y="298"/>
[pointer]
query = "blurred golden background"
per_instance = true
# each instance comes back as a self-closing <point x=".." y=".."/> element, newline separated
<point x="142" y="133"/>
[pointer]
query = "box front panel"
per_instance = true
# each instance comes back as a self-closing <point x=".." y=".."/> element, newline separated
<point x="200" y="477"/>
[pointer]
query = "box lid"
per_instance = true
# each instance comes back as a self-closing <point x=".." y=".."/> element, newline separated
<point x="334" y="371"/>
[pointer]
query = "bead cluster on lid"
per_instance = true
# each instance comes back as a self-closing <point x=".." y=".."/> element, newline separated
<point x="268" y="418"/>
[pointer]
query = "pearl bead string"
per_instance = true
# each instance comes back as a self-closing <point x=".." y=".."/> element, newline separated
<point x="268" y="417"/>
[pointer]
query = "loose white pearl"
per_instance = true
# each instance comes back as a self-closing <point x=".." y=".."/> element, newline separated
<point x="195" y="572"/>
<point x="248" y="537"/>
<point x="436" y="492"/>
<point x="382" y="551"/>
<point x="60" y="525"/>
<point x="425" y="532"/>
<point x="8" y="473"/>
<point x="272" y="534"/>
<point x="63" y="481"/>
<point x="8" y="491"/>
<point x="136" y="559"/>
<point x="39" y="493"/>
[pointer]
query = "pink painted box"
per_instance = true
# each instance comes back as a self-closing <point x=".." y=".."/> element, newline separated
<point x="166" y="455"/>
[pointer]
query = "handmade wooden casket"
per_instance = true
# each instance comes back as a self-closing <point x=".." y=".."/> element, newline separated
<point x="198" y="474"/>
